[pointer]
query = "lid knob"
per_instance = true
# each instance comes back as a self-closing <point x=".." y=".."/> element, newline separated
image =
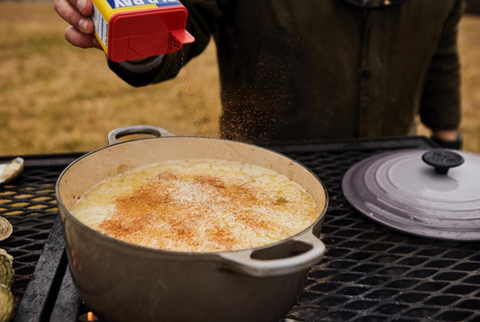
<point x="442" y="160"/>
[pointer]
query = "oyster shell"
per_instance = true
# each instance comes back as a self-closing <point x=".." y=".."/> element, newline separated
<point x="7" y="305"/>
<point x="7" y="272"/>
<point x="6" y="229"/>
<point x="11" y="170"/>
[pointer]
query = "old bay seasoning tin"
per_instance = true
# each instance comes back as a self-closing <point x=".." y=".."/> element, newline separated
<point x="131" y="29"/>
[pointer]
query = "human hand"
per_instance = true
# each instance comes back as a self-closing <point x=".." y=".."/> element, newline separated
<point x="446" y="135"/>
<point x="448" y="139"/>
<point x="77" y="14"/>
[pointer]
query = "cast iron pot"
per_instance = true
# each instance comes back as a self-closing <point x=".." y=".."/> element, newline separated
<point x="125" y="282"/>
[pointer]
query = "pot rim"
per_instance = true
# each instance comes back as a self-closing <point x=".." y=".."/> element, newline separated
<point x="68" y="214"/>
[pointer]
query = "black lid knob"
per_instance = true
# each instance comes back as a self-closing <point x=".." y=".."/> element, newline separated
<point x="442" y="160"/>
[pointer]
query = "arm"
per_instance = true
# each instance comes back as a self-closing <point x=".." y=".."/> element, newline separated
<point x="202" y="17"/>
<point x="440" y="108"/>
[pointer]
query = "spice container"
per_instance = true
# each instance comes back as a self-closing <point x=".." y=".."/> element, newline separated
<point x="132" y="29"/>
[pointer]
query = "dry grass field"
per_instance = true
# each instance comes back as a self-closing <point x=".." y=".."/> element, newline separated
<point x="57" y="98"/>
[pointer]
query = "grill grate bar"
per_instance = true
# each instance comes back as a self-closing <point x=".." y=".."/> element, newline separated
<point x="39" y="298"/>
<point x="67" y="305"/>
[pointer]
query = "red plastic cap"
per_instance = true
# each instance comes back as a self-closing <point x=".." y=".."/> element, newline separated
<point x="149" y="32"/>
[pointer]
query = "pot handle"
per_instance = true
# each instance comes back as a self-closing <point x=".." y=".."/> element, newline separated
<point x="242" y="262"/>
<point x="114" y="135"/>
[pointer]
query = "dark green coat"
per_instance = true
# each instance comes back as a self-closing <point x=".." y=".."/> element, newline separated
<point x="295" y="70"/>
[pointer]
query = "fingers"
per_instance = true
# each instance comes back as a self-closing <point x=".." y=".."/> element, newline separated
<point x="80" y="39"/>
<point x="76" y="13"/>
<point x="85" y="7"/>
<point x="70" y="14"/>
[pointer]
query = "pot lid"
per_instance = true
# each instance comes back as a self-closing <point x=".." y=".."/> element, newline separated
<point x="429" y="193"/>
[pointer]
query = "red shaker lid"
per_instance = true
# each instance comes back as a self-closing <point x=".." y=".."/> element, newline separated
<point x="149" y="32"/>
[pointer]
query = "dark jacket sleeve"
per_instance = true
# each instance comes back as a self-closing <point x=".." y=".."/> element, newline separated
<point x="440" y="108"/>
<point x="202" y="18"/>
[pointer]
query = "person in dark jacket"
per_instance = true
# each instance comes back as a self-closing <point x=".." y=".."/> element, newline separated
<point x="306" y="70"/>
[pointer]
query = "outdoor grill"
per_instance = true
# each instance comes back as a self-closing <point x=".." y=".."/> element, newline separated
<point x="369" y="273"/>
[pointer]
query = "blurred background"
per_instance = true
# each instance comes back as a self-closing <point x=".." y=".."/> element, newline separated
<point x="58" y="98"/>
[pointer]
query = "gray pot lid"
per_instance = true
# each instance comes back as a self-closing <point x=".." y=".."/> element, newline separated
<point x="400" y="190"/>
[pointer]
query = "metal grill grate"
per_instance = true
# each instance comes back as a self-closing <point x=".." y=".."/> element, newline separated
<point x="30" y="206"/>
<point x="373" y="273"/>
<point x="370" y="273"/>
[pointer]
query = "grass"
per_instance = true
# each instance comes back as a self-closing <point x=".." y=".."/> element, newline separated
<point x="57" y="98"/>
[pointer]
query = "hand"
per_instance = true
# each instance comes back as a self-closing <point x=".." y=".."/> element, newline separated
<point x="77" y="14"/>
<point x="448" y="139"/>
<point x="446" y="135"/>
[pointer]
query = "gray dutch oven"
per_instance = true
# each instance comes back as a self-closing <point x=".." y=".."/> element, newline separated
<point x="125" y="282"/>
